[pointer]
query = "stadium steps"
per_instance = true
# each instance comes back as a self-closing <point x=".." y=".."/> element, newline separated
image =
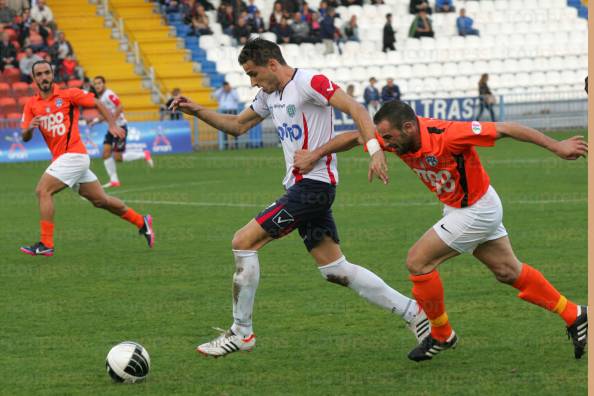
<point x="99" y="54"/>
<point x="162" y="50"/>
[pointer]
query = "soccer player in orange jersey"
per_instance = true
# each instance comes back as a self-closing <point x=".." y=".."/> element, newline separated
<point x="442" y="154"/>
<point x="55" y="113"/>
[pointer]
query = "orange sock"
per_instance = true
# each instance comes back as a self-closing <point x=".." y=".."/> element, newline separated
<point x="535" y="288"/>
<point x="47" y="233"/>
<point x="428" y="291"/>
<point x="133" y="218"/>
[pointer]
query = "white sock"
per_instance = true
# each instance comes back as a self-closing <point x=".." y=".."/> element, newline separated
<point x="245" y="283"/>
<point x="369" y="286"/>
<point x="132" y="155"/>
<point x="110" y="167"/>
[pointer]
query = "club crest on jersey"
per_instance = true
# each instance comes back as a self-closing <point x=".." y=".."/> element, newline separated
<point x="291" y="110"/>
<point x="476" y="127"/>
<point x="48" y="110"/>
<point x="431" y="160"/>
<point x="59" y="102"/>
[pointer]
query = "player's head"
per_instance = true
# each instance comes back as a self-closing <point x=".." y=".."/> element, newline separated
<point x="397" y="124"/>
<point x="484" y="78"/>
<point x="43" y="75"/>
<point x="262" y="60"/>
<point x="99" y="84"/>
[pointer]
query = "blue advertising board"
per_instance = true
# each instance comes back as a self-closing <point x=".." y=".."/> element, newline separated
<point x="162" y="137"/>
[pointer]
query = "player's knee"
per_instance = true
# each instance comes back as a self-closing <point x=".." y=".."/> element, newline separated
<point x="507" y="273"/>
<point x="118" y="157"/>
<point x="414" y="262"/>
<point x="240" y="242"/>
<point x="42" y="193"/>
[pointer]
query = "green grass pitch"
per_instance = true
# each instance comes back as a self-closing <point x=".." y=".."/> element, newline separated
<point x="61" y="315"/>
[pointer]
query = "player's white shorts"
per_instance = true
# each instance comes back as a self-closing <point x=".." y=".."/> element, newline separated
<point x="463" y="229"/>
<point x="72" y="169"/>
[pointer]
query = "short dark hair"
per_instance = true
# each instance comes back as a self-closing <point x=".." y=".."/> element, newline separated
<point x="99" y="78"/>
<point x="260" y="51"/>
<point x="396" y="112"/>
<point x="38" y="63"/>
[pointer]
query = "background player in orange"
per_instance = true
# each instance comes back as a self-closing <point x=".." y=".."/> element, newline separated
<point x="55" y="112"/>
<point x="442" y="154"/>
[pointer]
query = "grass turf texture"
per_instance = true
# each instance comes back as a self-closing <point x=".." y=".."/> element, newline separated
<point x="61" y="315"/>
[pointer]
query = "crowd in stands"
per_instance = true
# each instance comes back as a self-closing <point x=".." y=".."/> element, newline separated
<point x="295" y="21"/>
<point x="28" y="33"/>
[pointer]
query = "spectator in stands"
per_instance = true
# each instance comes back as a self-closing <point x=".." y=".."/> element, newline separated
<point x="257" y="23"/>
<point x="421" y="26"/>
<point x="37" y="37"/>
<point x="306" y="13"/>
<point x="206" y="4"/>
<point x="23" y="22"/>
<point x="200" y="22"/>
<point x="290" y="6"/>
<point x="43" y="15"/>
<point x="390" y="91"/>
<point x="164" y="109"/>
<point x="18" y="5"/>
<point x="225" y="18"/>
<point x="486" y="98"/>
<point x="322" y="8"/>
<point x="328" y="31"/>
<point x="59" y="50"/>
<point x="350" y="90"/>
<point x="8" y="53"/>
<point x="275" y="16"/>
<point x="26" y="63"/>
<point x="7" y="14"/>
<point x="68" y="69"/>
<point x="444" y="6"/>
<point x="241" y="31"/>
<point x="228" y="104"/>
<point x="464" y="25"/>
<point x="175" y="7"/>
<point x="371" y="96"/>
<point x="351" y="29"/>
<point x="251" y="8"/>
<point x="419" y="5"/>
<point x="377" y="2"/>
<point x="347" y="3"/>
<point x="389" y="35"/>
<point x="283" y="32"/>
<point x="300" y="29"/>
<point x="315" y="29"/>
<point x="332" y="3"/>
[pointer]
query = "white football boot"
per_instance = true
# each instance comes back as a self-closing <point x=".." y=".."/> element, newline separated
<point x="420" y="326"/>
<point x="227" y="342"/>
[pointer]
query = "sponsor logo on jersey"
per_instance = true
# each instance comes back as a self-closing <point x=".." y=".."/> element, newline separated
<point x="293" y="132"/>
<point x="59" y="102"/>
<point x="476" y="127"/>
<point x="441" y="181"/>
<point x="431" y="160"/>
<point x="291" y="110"/>
<point x="54" y="123"/>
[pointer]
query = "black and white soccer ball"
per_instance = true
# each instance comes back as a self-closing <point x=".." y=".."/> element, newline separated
<point x="128" y="362"/>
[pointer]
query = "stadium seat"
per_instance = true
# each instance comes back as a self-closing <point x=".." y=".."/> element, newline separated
<point x="21" y="101"/>
<point x="11" y="75"/>
<point x="4" y="89"/>
<point x="21" y="89"/>
<point x="8" y="105"/>
<point x="13" y="116"/>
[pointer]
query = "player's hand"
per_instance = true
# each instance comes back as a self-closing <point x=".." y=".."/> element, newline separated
<point x="378" y="167"/>
<point x="35" y="122"/>
<point x="117" y="131"/>
<point x="184" y="105"/>
<point x="304" y="161"/>
<point x="572" y="148"/>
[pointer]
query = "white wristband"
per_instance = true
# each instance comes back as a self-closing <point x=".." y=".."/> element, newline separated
<point x="373" y="146"/>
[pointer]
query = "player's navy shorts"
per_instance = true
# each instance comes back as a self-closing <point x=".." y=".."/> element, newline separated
<point x="307" y="206"/>
<point x="118" y="145"/>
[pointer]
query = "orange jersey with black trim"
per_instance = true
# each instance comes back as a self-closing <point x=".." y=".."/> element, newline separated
<point x="447" y="162"/>
<point x="59" y="122"/>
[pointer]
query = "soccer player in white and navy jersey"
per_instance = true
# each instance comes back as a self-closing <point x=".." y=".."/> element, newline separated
<point x="300" y="103"/>
<point x="113" y="144"/>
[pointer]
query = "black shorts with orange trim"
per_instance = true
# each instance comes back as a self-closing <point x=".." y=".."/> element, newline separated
<point x="117" y="145"/>
<point x="306" y="206"/>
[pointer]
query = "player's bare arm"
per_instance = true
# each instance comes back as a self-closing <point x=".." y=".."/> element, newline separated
<point x="27" y="133"/>
<point x="231" y="124"/>
<point x="377" y="165"/>
<point x="305" y="160"/>
<point x="569" y="149"/>
<point x="107" y="116"/>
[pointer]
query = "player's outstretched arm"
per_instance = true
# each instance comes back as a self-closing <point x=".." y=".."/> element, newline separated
<point x="27" y="133"/>
<point x="305" y="160"/>
<point x="377" y="165"/>
<point x="234" y="125"/>
<point x="569" y="149"/>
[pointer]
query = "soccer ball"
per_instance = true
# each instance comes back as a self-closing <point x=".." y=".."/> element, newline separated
<point x="128" y="362"/>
